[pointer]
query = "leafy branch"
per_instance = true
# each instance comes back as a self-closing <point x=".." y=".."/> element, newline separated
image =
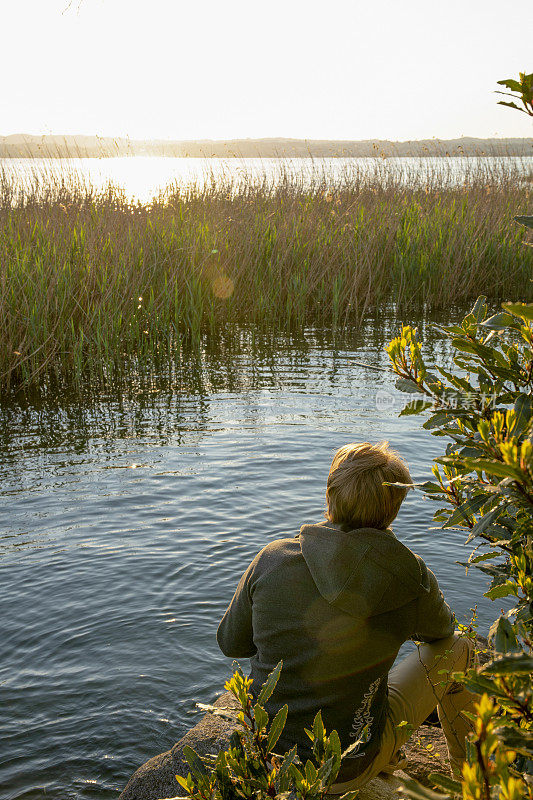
<point x="484" y="485"/>
<point x="520" y="90"/>
<point x="249" y="767"/>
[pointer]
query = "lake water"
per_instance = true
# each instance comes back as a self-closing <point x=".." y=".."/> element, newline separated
<point x="141" y="178"/>
<point x="127" y="521"/>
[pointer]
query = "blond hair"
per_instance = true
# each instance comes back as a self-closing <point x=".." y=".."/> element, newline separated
<point x="355" y="494"/>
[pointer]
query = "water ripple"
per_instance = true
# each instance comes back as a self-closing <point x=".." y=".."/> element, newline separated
<point x="113" y="579"/>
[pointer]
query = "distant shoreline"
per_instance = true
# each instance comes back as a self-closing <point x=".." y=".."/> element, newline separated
<point x="26" y="146"/>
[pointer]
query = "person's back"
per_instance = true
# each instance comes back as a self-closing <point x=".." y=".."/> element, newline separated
<point x="335" y="603"/>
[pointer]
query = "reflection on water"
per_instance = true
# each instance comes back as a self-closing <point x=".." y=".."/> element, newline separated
<point x="144" y="177"/>
<point x="127" y="520"/>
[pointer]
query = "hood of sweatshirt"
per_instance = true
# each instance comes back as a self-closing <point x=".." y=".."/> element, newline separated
<point x="363" y="572"/>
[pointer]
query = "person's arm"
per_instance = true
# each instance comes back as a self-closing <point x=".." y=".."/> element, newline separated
<point x="235" y="632"/>
<point x="435" y="619"/>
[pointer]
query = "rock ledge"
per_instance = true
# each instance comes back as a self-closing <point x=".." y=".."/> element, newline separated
<point x="426" y="752"/>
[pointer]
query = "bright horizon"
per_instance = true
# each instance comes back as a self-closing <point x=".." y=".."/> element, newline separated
<point x="166" y="70"/>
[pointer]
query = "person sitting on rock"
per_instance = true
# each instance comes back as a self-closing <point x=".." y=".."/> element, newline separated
<point x="335" y="603"/>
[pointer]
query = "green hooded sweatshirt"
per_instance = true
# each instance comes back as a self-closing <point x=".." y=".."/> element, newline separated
<point x="335" y="605"/>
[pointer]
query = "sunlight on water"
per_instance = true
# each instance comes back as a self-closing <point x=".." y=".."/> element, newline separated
<point x="144" y="177"/>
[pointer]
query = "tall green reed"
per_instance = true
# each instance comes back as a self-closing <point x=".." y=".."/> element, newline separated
<point x="90" y="281"/>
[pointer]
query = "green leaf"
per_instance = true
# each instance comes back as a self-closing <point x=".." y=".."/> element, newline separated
<point x="270" y="684"/>
<point x="511" y="83"/>
<point x="483" y="524"/>
<point x="318" y="727"/>
<point x="499" y="571"/>
<point x="183" y="783"/>
<point x="449" y="330"/>
<point x="335" y="744"/>
<point x="354" y="746"/>
<point x="310" y="771"/>
<point x="479" y="684"/>
<point x="466" y="346"/>
<point x="525" y="613"/>
<point x="497" y="468"/>
<point x="288" y="760"/>
<point x="462" y="514"/>
<point x="502" y="636"/>
<point x="470" y="451"/>
<point x="430" y="487"/>
<point x="296" y="774"/>
<point x="524" y="412"/>
<point x="519" y="663"/>
<point x="479" y="308"/>
<point x="502" y="590"/>
<point x="438" y="420"/>
<point x="276" y="729"/>
<point x="415" y="407"/>
<point x="260" y="716"/>
<point x="518" y="739"/>
<point x="325" y="771"/>
<point x="400" y="485"/>
<point x="455" y="380"/>
<point x="484" y="557"/>
<point x="499" y="322"/>
<point x="196" y="764"/>
<point x="524" y="310"/>
<point x="406" y="385"/>
<point x="444" y="782"/>
<point x="235" y="742"/>
<point x="508" y="104"/>
<point x="416" y="791"/>
<point x="525" y="220"/>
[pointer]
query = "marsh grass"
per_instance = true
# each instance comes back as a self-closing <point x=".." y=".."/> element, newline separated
<point x="91" y="284"/>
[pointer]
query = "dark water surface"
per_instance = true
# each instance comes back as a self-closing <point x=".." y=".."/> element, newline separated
<point x="127" y="522"/>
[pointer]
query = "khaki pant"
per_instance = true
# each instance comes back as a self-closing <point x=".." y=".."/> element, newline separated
<point x="417" y="685"/>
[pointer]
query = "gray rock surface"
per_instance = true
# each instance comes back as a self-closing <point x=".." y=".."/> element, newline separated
<point x="157" y="777"/>
<point x="426" y="752"/>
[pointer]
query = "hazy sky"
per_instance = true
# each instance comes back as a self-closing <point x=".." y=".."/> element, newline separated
<point x="338" y="69"/>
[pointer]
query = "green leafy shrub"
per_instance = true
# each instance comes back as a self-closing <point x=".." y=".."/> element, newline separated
<point x="249" y="767"/>
<point x="483" y="483"/>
